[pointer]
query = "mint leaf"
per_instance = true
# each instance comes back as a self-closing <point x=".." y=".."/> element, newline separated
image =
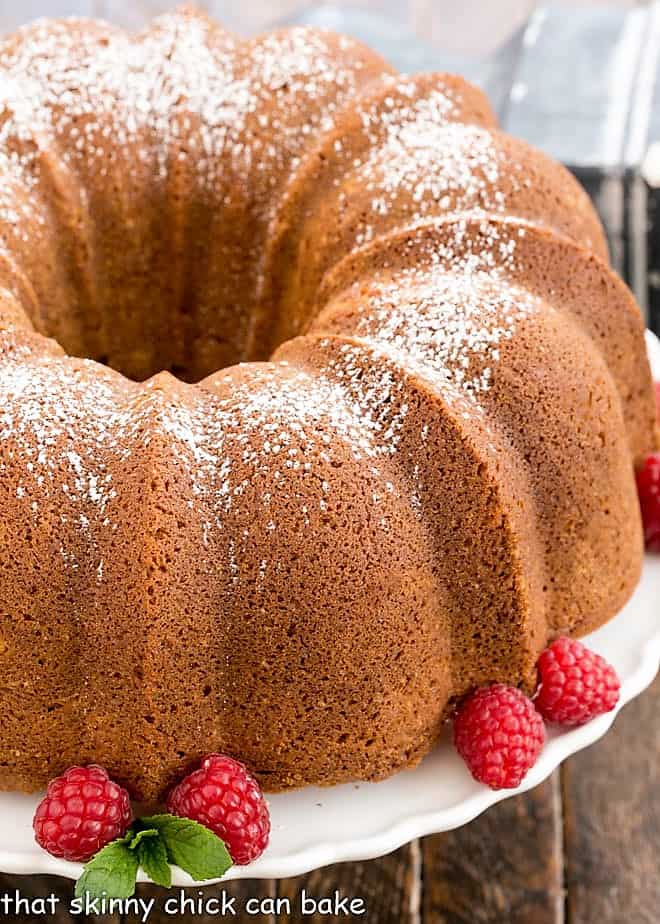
<point x="152" y="855"/>
<point x="110" y="873"/>
<point x="191" y="846"/>
<point x="135" y="838"/>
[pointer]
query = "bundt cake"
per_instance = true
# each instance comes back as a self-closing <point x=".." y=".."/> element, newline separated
<point x="384" y="450"/>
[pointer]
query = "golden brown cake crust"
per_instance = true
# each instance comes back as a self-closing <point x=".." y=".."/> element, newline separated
<point x="299" y="560"/>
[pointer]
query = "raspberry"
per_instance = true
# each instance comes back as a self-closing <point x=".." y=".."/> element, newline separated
<point x="648" y="488"/>
<point x="576" y="683"/>
<point x="499" y="734"/>
<point x="222" y="795"/>
<point x="82" y="811"/>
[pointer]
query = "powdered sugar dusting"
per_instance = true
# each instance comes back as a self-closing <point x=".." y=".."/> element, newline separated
<point x="46" y="406"/>
<point x="448" y="309"/>
<point x="59" y="439"/>
<point x="184" y="119"/>
<point x="430" y="166"/>
<point x="183" y="89"/>
<point x="452" y="327"/>
<point x="75" y="437"/>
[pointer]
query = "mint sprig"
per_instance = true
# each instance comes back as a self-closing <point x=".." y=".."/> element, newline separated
<point x="111" y="872"/>
<point x="191" y="846"/>
<point x="153" y="843"/>
<point x="136" y="837"/>
<point x="152" y="855"/>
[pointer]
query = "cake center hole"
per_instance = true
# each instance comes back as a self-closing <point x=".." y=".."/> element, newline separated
<point x="141" y="336"/>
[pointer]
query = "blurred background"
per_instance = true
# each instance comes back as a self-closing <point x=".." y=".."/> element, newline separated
<point x="467" y="25"/>
<point x="578" y="79"/>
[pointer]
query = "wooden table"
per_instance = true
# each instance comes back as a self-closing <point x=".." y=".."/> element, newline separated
<point x="582" y="848"/>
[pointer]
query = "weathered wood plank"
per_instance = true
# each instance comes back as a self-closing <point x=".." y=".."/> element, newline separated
<point x="612" y="821"/>
<point x="389" y="886"/>
<point x="503" y="868"/>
